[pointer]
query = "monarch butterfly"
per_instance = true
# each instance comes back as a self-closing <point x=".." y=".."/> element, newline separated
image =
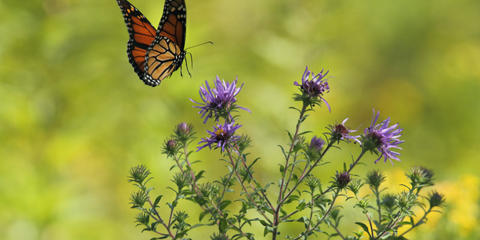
<point x="155" y="53"/>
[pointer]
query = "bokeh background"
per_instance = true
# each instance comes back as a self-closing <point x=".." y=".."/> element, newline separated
<point x="74" y="117"/>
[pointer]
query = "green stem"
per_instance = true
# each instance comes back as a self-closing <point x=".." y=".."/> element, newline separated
<point x="276" y="220"/>
<point x="239" y="179"/>
<point x="421" y="221"/>
<point x="379" y="206"/>
<point x="306" y="173"/>
<point x="294" y="138"/>
<point x="332" y="186"/>
<point x="326" y="214"/>
<point x="159" y="218"/>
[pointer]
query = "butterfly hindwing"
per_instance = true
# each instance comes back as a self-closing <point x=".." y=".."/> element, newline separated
<point x="163" y="58"/>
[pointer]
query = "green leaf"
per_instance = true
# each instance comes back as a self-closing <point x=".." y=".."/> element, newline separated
<point x="199" y="174"/>
<point x="224" y="204"/>
<point x="264" y="223"/>
<point x="202" y="215"/>
<point x="222" y="227"/>
<point x="157" y="200"/>
<point x="364" y="227"/>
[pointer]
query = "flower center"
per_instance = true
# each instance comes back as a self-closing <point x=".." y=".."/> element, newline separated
<point x="377" y="138"/>
<point x="220" y="134"/>
<point x="341" y="129"/>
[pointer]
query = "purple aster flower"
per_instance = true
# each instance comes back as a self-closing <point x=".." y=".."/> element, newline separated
<point x="218" y="101"/>
<point x="222" y="136"/>
<point x="341" y="132"/>
<point x="314" y="88"/>
<point x="314" y="150"/>
<point x="381" y="138"/>
<point x="316" y="144"/>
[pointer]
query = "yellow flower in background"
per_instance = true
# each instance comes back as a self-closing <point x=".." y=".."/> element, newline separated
<point x="462" y="201"/>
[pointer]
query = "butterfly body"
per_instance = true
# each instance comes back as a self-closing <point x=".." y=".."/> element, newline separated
<point x="155" y="53"/>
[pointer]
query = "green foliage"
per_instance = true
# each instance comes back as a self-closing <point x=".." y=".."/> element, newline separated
<point x="74" y="117"/>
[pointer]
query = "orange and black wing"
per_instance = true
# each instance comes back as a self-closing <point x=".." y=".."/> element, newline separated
<point x="166" y="53"/>
<point x="173" y="22"/>
<point x="163" y="58"/>
<point x="142" y="35"/>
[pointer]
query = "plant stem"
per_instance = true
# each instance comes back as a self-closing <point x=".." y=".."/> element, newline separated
<point x="159" y="218"/>
<point x="379" y="206"/>
<point x="329" y="188"/>
<point x="250" y="175"/>
<point x="239" y="179"/>
<point x="276" y="219"/>
<point x="312" y="206"/>
<point x="307" y="231"/>
<point x="338" y="232"/>
<point x="294" y="138"/>
<point x="371" y="226"/>
<point x="390" y="225"/>
<point x="195" y="184"/>
<point x="421" y="221"/>
<point x="306" y="173"/>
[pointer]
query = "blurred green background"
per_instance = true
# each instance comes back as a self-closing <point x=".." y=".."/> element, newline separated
<point x="74" y="117"/>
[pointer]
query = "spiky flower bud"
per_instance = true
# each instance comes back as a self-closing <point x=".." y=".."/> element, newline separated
<point x="375" y="179"/>
<point x="183" y="132"/>
<point x="435" y="199"/>
<point x="170" y="147"/>
<point x="342" y="179"/>
<point x="312" y="182"/>
<point x="243" y="142"/>
<point x="420" y="177"/>
<point x="138" y="199"/>
<point x="143" y="219"/>
<point x="355" y="186"/>
<point x="388" y="201"/>
<point x="405" y="201"/>
<point x="183" y="128"/>
<point x="139" y="174"/>
<point x="181" y="180"/>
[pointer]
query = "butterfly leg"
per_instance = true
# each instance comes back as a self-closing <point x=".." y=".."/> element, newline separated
<point x="188" y="70"/>
<point x="191" y="62"/>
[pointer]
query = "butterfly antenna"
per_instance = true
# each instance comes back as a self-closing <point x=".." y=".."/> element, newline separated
<point x="207" y="42"/>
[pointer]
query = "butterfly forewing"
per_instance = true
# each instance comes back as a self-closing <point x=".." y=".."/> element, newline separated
<point x="173" y="22"/>
<point x="142" y="34"/>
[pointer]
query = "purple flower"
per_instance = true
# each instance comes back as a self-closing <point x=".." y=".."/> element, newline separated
<point x="218" y="101"/>
<point x="316" y="144"/>
<point x="222" y="136"/>
<point x="314" y="88"/>
<point x="381" y="138"/>
<point x="341" y="132"/>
